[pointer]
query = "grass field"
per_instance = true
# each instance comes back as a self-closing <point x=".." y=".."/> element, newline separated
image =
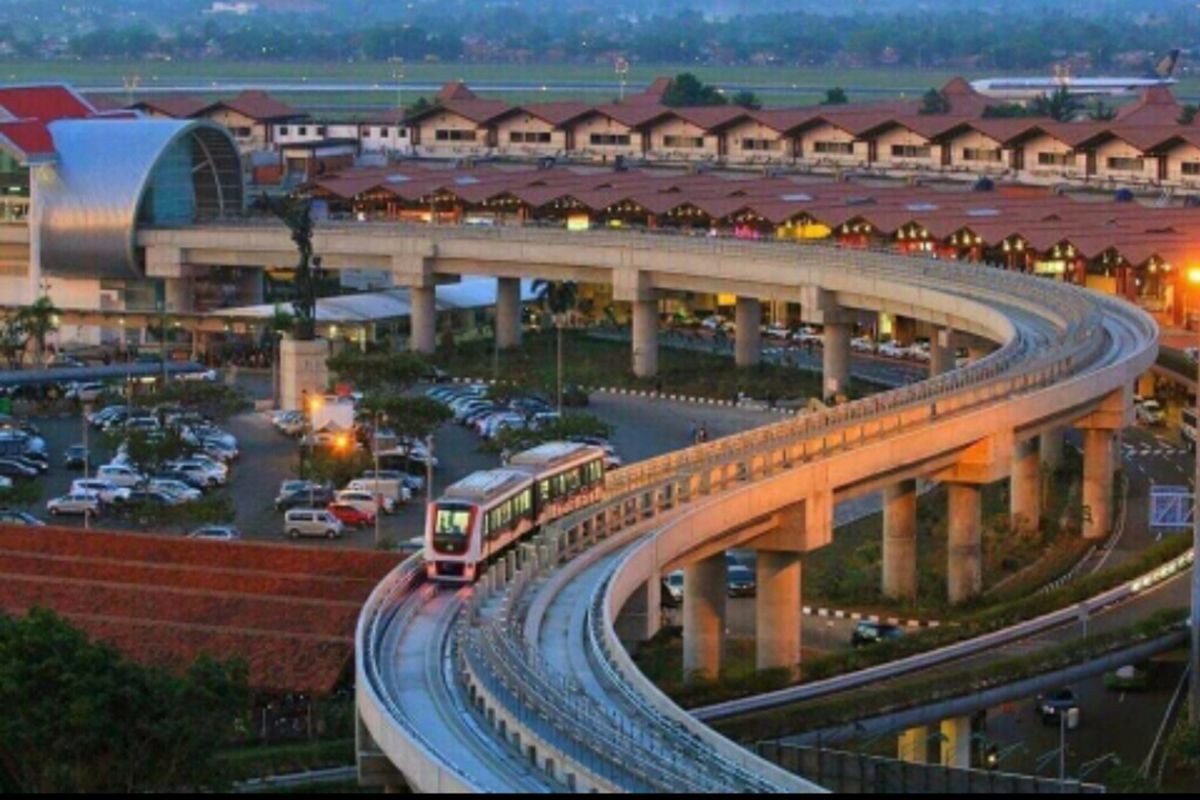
<point x="375" y="82"/>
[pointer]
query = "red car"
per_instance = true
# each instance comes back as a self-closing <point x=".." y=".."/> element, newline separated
<point x="351" y="516"/>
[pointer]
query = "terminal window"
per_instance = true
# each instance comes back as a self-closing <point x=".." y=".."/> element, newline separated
<point x="529" y="137"/>
<point x="683" y="141"/>
<point x="910" y="151"/>
<point x="1054" y="159"/>
<point x="834" y="148"/>
<point x="454" y="135"/>
<point x="610" y="139"/>
<point x="758" y="145"/>
<point x="993" y="155"/>
<point x="1126" y="164"/>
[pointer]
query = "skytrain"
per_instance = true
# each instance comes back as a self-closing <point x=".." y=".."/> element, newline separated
<point x="478" y="519"/>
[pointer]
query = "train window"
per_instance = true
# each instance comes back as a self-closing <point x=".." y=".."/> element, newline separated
<point x="545" y="491"/>
<point x="450" y="529"/>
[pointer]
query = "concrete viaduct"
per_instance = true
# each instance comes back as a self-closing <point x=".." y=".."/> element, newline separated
<point x="1058" y="357"/>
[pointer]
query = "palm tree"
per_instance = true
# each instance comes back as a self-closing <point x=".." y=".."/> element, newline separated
<point x="559" y="298"/>
<point x="39" y="320"/>
<point x="1061" y="106"/>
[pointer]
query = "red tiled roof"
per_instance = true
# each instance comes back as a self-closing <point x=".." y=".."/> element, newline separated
<point x="178" y="106"/>
<point x="45" y="103"/>
<point x="30" y="138"/>
<point x="1156" y="106"/>
<point x="455" y="90"/>
<point x="288" y="612"/>
<point x="256" y="105"/>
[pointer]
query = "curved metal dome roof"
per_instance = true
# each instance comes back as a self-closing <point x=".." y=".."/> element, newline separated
<point x="112" y="175"/>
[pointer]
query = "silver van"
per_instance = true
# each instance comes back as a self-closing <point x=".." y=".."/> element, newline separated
<point x="311" y="522"/>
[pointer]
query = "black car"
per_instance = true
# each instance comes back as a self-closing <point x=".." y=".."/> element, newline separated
<point x="77" y="457"/>
<point x="33" y="462"/>
<point x="1059" y="702"/>
<point x="13" y="468"/>
<point x="150" y="497"/>
<point x="316" y="497"/>
<point x="11" y="516"/>
<point x="872" y="632"/>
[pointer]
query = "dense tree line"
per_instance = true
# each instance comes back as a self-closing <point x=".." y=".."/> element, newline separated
<point x="80" y="718"/>
<point x="993" y="36"/>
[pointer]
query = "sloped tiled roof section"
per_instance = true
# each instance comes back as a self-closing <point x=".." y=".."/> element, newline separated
<point x="288" y="612"/>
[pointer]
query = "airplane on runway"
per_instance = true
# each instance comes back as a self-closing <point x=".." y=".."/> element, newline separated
<point x="1031" y="88"/>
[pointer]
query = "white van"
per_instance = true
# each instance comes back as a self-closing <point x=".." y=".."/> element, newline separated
<point x="311" y="522"/>
<point x="120" y="475"/>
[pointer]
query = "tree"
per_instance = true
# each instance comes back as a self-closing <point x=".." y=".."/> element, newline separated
<point x="80" y="718"/>
<point x="934" y="102"/>
<point x="1187" y="114"/>
<point x="1102" y="112"/>
<point x="686" y="90"/>
<point x="39" y="320"/>
<point x="419" y="107"/>
<point x="296" y="214"/>
<point x="14" y="340"/>
<point x="1005" y="111"/>
<point x="1061" y="105"/>
<point x="212" y="399"/>
<point x="371" y="372"/>
<point x="747" y="99"/>
<point x="559" y="298"/>
<point x="835" y="97"/>
<point x="514" y="440"/>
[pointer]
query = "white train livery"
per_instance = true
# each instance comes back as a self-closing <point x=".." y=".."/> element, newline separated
<point x="477" y="519"/>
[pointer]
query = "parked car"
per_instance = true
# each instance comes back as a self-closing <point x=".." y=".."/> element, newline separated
<point x="351" y="516"/>
<point x="11" y="516"/>
<point x="176" y="487"/>
<point x="1150" y="412"/>
<point x="862" y="344"/>
<point x="75" y="503"/>
<point x="367" y="502"/>
<point x="302" y="494"/>
<point x="740" y="581"/>
<point x="672" y="589"/>
<point x="312" y="522"/>
<point x="120" y="475"/>
<point x="107" y="491"/>
<point x="866" y="633"/>
<point x="15" y="468"/>
<point x="77" y="457"/>
<point x="388" y="483"/>
<point x="220" y="533"/>
<point x="1058" y="703"/>
<point x="890" y="349"/>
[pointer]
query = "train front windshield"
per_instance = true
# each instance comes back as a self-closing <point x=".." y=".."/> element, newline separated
<point x="451" y="529"/>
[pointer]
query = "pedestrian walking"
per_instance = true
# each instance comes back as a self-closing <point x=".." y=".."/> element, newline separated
<point x="703" y="432"/>
<point x="692" y="431"/>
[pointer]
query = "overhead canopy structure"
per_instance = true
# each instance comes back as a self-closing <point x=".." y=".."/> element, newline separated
<point x="111" y="175"/>
<point x="472" y="292"/>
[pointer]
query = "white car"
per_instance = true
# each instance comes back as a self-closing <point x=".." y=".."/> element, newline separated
<point x="107" y="491"/>
<point x="201" y="470"/>
<point x="891" y="349"/>
<point x="217" y="533"/>
<point x="714" y="323"/>
<point x="85" y="392"/>
<point x="74" y="503"/>
<point x="121" y="475"/>
<point x="862" y="344"/>
<point x="366" y="502"/>
<point x="311" y="522"/>
<point x="1149" y="412"/>
<point x="177" y="488"/>
<point x="777" y="331"/>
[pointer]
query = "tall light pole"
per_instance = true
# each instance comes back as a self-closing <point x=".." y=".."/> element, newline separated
<point x="87" y="408"/>
<point x="378" y="493"/>
<point x="1193" y="277"/>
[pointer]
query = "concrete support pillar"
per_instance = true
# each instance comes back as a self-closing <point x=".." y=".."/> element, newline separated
<point x="423" y="319"/>
<point x="749" y="332"/>
<point x="641" y="617"/>
<point x="777" y="610"/>
<point x="956" y="743"/>
<point x="704" y="595"/>
<point x="302" y="371"/>
<point x="912" y="746"/>
<point x="900" y="541"/>
<point x="1025" y="486"/>
<point x="645" y="338"/>
<point x="1097" y="482"/>
<point x="1051" y="447"/>
<point x="177" y="294"/>
<point x="836" y="359"/>
<point x="941" y="352"/>
<point x="964" y="572"/>
<point x="508" y="313"/>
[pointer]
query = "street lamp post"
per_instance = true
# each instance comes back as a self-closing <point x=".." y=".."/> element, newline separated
<point x="1193" y="277"/>
<point x="378" y="494"/>
<point x="87" y="408"/>
<point x="428" y="470"/>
